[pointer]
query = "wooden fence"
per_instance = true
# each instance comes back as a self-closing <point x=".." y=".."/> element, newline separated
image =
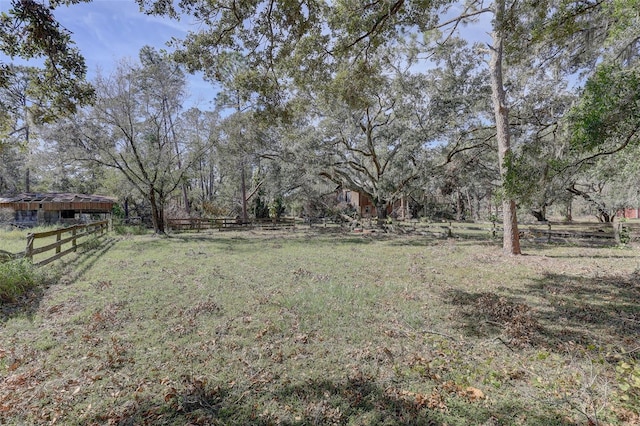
<point x="227" y="224"/>
<point x="540" y="230"/>
<point x="578" y="230"/>
<point x="71" y="236"/>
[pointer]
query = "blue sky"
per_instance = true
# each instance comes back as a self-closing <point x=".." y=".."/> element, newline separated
<point x="107" y="31"/>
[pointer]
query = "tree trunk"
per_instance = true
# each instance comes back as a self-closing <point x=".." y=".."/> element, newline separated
<point x="27" y="180"/>
<point x="490" y="204"/>
<point x="511" y="239"/>
<point x="245" y="217"/>
<point x="603" y="215"/>
<point x="27" y="141"/>
<point x="381" y="212"/>
<point x="157" y="216"/>
<point x="539" y="215"/>
<point x="472" y="210"/>
<point x="459" y="206"/>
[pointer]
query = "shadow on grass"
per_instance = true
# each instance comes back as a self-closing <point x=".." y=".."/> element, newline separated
<point x="310" y="403"/>
<point x="631" y="255"/>
<point x="590" y="310"/>
<point x="557" y="311"/>
<point x="88" y="258"/>
<point x="357" y="400"/>
<point x="247" y="239"/>
<point x="28" y="303"/>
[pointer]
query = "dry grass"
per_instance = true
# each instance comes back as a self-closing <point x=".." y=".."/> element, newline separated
<point x="324" y="328"/>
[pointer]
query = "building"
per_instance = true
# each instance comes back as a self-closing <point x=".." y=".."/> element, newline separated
<point x="31" y="209"/>
<point x="629" y="213"/>
<point x="364" y="207"/>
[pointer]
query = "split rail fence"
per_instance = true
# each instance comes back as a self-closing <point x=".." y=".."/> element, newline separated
<point x="228" y="224"/>
<point x="549" y="231"/>
<point x="69" y="236"/>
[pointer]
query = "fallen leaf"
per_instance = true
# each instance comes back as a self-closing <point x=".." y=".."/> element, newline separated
<point x="474" y="394"/>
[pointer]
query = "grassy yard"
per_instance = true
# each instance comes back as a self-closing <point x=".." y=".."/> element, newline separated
<point x="303" y="328"/>
<point x="15" y="241"/>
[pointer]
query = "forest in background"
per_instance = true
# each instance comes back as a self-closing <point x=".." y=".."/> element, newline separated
<point x="386" y="98"/>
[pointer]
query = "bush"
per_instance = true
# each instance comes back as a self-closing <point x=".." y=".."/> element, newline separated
<point x="624" y="233"/>
<point x="91" y="244"/>
<point x="129" y="229"/>
<point x="628" y="375"/>
<point x="16" y="278"/>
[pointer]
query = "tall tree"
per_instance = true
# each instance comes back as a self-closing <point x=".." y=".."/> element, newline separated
<point x="200" y="130"/>
<point x="511" y="242"/>
<point x="306" y="37"/>
<point x="372" y="132"/>
<point x="17" y="104"/>
<point x="296" y="42"/>
<point x="164" y="82"/>
<point x="130" y="129"/>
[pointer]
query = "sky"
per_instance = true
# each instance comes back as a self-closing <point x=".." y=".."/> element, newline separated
<point x="107" y="31"/>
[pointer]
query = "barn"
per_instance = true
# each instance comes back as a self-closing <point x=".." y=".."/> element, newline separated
<point x="31" y="209"/>
<point x="629" y="213"/>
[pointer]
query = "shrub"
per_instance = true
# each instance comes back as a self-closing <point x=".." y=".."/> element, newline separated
<point x="16" y="278"/>
<point x="628" y="375"/>
<point x="129" y="229"/>
<point x="624" y="233"/>
<point x="91" y="244"/>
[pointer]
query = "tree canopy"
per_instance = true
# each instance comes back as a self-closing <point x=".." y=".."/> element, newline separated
<point x="29" y="30"/>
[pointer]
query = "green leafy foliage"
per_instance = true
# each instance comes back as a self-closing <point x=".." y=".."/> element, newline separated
<point x="608" y="115"/>
<point x="121" y="229"/>
<point x="17" y="277"/>
<point x="29" y="31"/>
<point x="628" y="376"/>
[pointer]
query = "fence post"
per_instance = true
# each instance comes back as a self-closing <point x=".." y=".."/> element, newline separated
<point x="73" y="241"/>
<point x="58" y="238"/>
<point x="28" y="253"/>
<point x="548" y="232"/>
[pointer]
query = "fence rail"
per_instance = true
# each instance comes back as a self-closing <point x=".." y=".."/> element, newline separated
<point x="583" y="230"/>
<point x="541" y="230"/>
<point x="548" y="230"/>
<point x="76" y="232"/>
<point x="227" y="224"/>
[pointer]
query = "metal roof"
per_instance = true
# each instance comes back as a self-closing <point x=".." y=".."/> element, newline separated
<point x="56" y="197"/>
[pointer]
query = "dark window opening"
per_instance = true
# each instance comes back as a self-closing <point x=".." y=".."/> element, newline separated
<point x="68" y="214"/>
